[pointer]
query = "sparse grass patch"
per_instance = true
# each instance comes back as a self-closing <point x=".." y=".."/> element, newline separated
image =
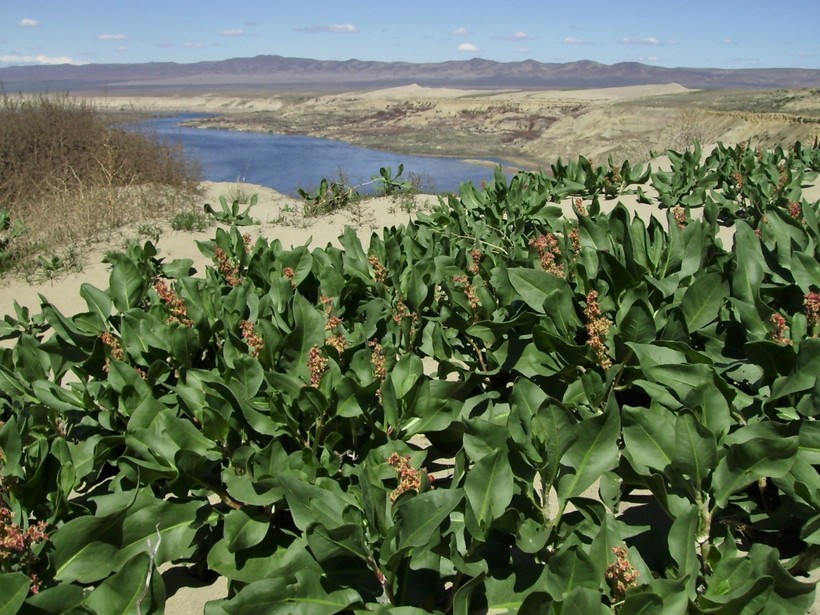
<point x="190" y="221"/>
<point x="68" y="174"/>
<point x="239" y="193"/>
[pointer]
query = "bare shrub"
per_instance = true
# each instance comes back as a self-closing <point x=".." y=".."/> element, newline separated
<point x="67" y="173"/>
<point x="685" y="128"/>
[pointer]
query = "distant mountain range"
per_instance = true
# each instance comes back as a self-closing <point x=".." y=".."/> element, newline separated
<point x="270" y="72"/>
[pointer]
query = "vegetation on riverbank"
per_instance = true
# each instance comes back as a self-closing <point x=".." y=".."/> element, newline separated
<point x="67" y="173"/>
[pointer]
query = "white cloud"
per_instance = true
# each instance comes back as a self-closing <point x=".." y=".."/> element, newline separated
<point x="461" y="32"/>
<point x="338" y="28"/>
<point x="646" y="40"/>
<point x="232" y="32"/>
<point x="468" y="47"/>
<point x="518" y="36"/>
<point x="572" y="40"/>
<point x="111" y="37"/>
<point x="342" y="27"/>
<point x="190" y="45"/>
<point x="728" y="41"/>
<point x="806" y="54"/>
<point x="28" y="23"/>
<point x="122" y="48"/>
<point x="38" y="59"/>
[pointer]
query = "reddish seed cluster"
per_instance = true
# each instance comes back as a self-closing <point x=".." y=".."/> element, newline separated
<point x="679" y="213"/>
<point x="337" y="341"/>
<point x="795" y="210"/>
<point x="179" y="311"/>
<point x="475" y="258"/>
<point x="115" y="349"/>
<point x="409" y="477"/>
<point x="738" y="178"/>
<point x="290" y="274"/>
<point x="812" y="305"/>
<point x="379" y="270"/>
<point x="782" y="180"/>
<point x="620" y="574"/>
<point x="469" y="290"/>
<point x="16" y="545"/>
<point x="575" y="240"/>
<point x="579" y="208"/>
<point x="402" y="312"/>
<point x="779" y="330"/>
<point x="254" y="341"/>
<point x="597" y="329"/>
<point x="228" y="269"/>
<point x="377" y="360"/>
<point x="317" y="364"/>
<point x="548" y="250"/>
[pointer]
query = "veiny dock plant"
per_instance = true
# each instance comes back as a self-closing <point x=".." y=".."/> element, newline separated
<point x="494" y="408"/>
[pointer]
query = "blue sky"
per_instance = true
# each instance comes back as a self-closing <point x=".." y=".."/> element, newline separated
<point x="697" y="33"/>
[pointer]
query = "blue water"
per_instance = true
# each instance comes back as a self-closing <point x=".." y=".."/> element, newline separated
<point x="289" y="162"/>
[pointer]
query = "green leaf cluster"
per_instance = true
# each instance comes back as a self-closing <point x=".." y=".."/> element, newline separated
<point x="494" y="408"/>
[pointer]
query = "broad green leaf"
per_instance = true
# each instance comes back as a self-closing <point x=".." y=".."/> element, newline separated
<point x="245" y="528"/>
<point x="584" y="601"/>
<point x="695" y="451"/>
<point x="546" y="294"/>
<point x="345" y="541"/>
<point x="683" y="546"/>
<point x="805" y="373"/>
<point x="594" y="452"/>
<point x="420" y="516"/>
<point x="269" y="559"/>
<point x="323" y="502"/>
<point x="301" y="594"/>
<point x="62" y="598"/>
<point x="751" y="460"/>
<point x="98" y="301"/>
<point x="126" y="285"/>
<point x="810" y="442"/>
<point x="702" y="300"/>
<point x="85" y="548"/>
<point x="489" y="488"/>
<point x="569" y="570"/>
<point x="644" y="603"/>
<point x="130" y="590"/>
<point x="750" y="265"/>
<point x="553" y="428"/>
<point x="13" y="591"/>
<point x="649" y="439"/>
<point x="638" y="323"/>
<point x="518" y="590"/>
<point x="406" y="372"/>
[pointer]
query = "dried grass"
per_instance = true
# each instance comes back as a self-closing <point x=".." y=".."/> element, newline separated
<point x="68" y="174"/>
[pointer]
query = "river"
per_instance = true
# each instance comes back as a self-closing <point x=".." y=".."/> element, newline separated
<point x="289" y="162"/>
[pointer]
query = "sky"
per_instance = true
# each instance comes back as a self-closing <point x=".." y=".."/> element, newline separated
<point x="697" y="33"/>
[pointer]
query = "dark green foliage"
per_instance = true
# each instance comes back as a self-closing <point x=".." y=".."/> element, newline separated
<point x="451" y="419"/>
